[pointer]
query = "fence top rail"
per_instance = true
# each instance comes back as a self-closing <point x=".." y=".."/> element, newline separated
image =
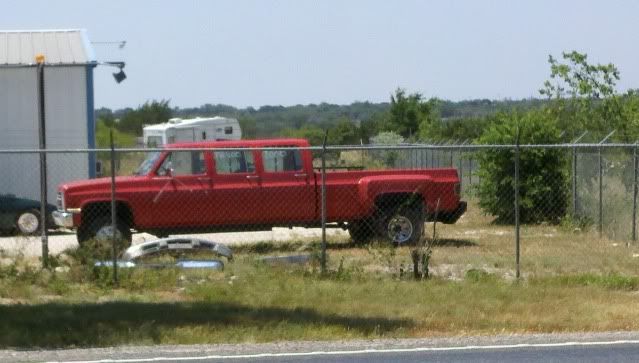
<point x="451" y="147"/>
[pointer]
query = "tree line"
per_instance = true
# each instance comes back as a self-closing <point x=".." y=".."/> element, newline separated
<point x="578" y="96"/>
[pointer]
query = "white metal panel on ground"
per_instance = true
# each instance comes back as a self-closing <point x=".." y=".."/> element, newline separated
<point x="58" y="47"/>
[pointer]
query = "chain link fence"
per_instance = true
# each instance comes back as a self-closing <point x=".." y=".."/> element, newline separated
<point x="577" y="203"/>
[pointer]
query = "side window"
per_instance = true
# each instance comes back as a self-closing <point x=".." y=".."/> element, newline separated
<point x="231" y="162"/>
<point x="228" y="130"/>
<point x="154" y="141"/>
<point x="183" y="163"/>
<point x="282" y="160"/>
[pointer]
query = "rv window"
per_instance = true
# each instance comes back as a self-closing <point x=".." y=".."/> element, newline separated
<point x="203" y="135"/>
<point x="154" y="141"/>
<point x="228" y="130"/>
<point x="281" y="160"/>
<point x="183" y="163"/>
<point x="230" y="162"/>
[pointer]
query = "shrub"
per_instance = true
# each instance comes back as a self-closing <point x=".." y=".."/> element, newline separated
<point x="543" y="181"/>
<point x="389" y="157"/>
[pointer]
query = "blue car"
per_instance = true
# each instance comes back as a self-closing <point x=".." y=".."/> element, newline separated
<point x="22" y="215"/>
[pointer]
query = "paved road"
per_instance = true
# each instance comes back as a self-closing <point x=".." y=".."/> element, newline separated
<point x="621" y="353"/>
<point x="60" y="241"/>
<point x="587" y="347"/>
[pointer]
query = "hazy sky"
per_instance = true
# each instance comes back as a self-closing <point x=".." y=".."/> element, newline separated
<point x="253" y="53"/>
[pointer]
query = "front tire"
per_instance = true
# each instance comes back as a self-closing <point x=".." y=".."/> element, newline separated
<point x="28" y="222"/>
<point x="100" y="230"/>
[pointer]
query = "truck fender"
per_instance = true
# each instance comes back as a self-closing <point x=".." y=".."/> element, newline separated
<point x="370" y="187"/>
<point x="120" y="203"/>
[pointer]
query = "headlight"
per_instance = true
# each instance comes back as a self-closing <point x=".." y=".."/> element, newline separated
<point x="60" y="201"/>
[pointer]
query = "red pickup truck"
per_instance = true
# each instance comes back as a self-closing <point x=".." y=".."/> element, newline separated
<point x="272" y="184"/>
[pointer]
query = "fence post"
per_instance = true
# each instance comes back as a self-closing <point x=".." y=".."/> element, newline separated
<point x="574" y="176"/>
<point x="601" y="183"/>
<point x="634" y="194"/>
<point x="574" y="183"/>
<point x="44" y="237"/>
<point x="323" y="206"/>
<point x="461" y="167"/>
<point x="517" y="249"/>
<point x="114" y="227"/>
<point x="451" y="153"/>
<point x="432" y="154"/>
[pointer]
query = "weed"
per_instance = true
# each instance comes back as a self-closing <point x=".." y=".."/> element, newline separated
<point x="475" y="275"/>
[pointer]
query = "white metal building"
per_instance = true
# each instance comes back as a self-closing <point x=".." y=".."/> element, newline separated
<point x="70" y="121"/>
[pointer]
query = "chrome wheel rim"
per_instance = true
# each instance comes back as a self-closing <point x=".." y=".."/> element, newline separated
<point x="400" y="229"/>
<point x="105" y="234"/>
<point x="28" y="223"/>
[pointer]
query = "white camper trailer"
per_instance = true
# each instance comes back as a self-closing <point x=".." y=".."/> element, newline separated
<point x="195" y="129"/>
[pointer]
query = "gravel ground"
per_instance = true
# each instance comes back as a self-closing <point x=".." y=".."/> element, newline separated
<point x="149" y="352"/>
<point x="60" y="241"/>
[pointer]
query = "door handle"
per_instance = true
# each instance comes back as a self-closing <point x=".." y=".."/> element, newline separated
<point x="300" y="175"/>
<point x="252" y="177"/>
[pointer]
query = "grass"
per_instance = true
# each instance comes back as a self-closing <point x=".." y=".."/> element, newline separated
<point x="571" y="281"/>
<point x="255" y="303"/>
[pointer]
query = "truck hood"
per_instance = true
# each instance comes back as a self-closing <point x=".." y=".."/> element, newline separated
<point x="99" y="184"/>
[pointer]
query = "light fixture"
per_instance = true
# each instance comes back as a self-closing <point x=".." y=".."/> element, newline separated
<point x="119" y="76"/>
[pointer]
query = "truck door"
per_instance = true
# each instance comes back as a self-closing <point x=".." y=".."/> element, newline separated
<point x="178" y="195"/>
<point x="235" y="188"/>
<point x="287" y="188"/>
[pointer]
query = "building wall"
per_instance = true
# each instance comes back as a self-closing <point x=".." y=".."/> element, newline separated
<point x="66" y="128"/>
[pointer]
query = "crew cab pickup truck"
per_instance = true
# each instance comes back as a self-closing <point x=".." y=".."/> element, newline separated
<point x="270" y="183"/>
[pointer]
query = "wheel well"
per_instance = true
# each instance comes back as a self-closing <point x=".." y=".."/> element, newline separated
<point x="93" y="210"/>
<point x="393" y="201"/>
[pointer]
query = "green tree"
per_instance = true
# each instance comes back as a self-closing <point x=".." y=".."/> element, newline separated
<point x="153" y="112"/>
<point x="248" y="126"/>
<point x="583" y="95"/>
<point x="312" y="133"/>
<point x="543" y="178"/>
<point x="345" y="132"/>
<point x="410" y="115"/>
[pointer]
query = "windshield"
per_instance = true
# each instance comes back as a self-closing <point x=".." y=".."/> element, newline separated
<point x="147" y="164"/>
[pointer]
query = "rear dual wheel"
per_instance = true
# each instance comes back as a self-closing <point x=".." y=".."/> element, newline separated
<point x="401" y="227"/>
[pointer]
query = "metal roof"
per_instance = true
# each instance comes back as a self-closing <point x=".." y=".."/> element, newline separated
<point x="59" y="47"/>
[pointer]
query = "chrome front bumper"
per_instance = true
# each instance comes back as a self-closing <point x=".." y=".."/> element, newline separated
<point x="63" y="219"/>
